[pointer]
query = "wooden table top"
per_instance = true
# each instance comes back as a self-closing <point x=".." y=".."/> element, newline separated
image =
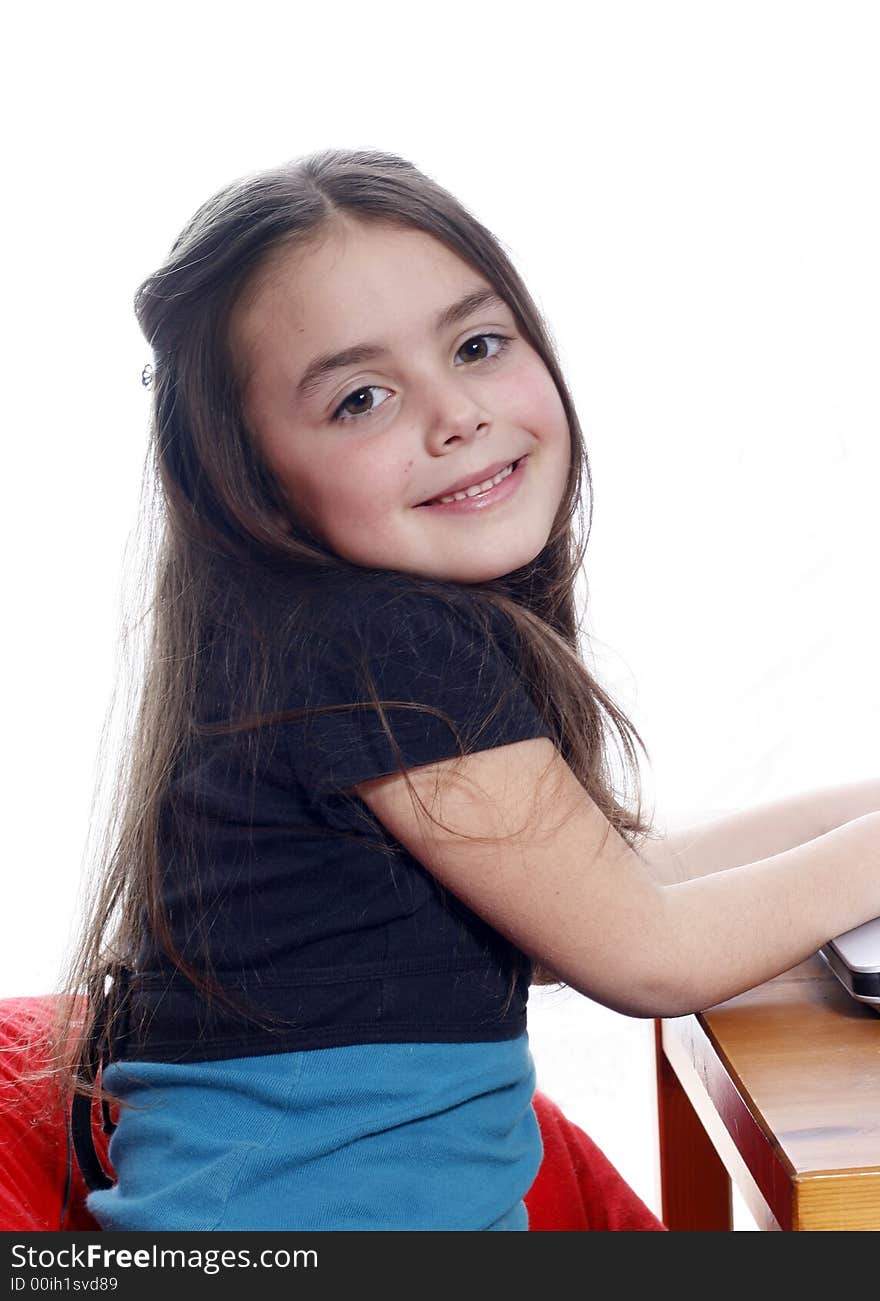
<point x="792" y="1069"/>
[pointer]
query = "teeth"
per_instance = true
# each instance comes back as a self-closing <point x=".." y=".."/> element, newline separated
<point x="476" y="488"/>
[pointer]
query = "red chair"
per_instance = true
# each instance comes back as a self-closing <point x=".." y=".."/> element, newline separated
<point x="576" y="1187"/>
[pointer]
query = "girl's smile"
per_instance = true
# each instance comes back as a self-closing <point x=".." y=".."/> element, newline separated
<point x="382" y="373"/>
<point x="481" y="494"/>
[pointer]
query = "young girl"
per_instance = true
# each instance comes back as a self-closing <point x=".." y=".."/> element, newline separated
<point x="369" y="794"/>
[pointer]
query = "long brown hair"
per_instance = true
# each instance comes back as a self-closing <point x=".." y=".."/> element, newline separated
<point x="225" y="547"/>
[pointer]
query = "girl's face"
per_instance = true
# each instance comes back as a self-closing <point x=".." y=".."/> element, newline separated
<point x="373" y="387"/>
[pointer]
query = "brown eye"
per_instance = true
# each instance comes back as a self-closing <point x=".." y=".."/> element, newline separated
<point x="357" y="396"/>
<point x="479" y="342"/>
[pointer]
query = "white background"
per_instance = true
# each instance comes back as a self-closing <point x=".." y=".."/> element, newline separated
<point x="690" y="191"/>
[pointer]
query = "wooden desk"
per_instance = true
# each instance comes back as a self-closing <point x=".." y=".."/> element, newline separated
<point x="778" y="1090"/>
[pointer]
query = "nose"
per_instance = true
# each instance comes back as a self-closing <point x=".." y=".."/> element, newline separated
<point x="454" y="415"/>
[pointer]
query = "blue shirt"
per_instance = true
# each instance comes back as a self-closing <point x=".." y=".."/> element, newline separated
<point x="412" y="1136"/>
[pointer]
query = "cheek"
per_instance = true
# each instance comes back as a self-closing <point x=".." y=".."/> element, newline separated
<point x="353" y="488"/>
<point x="549" y="423"/>
<point x="537" y="401"/>
<point x="555" y="422"/>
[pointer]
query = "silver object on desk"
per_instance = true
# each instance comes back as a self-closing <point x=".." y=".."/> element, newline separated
<point x="854" y="957"/>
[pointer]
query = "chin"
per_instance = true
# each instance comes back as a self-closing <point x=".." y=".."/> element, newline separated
<point x="471" y="568"/>
<point x="483" y="573"/>
<point x="484" y="570"/>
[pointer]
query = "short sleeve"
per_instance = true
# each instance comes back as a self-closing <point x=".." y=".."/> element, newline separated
<point x="446" y="688"/>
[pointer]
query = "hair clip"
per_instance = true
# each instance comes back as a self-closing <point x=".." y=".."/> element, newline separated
<point x="147" y="376"/>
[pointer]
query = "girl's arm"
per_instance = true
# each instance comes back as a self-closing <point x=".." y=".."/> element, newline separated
<point x="744" y="837"/>
<point x="526" y="848"/>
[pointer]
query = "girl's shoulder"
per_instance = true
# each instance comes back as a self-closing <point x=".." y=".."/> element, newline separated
<point x="395" y="672"/>
<point x="383" y="619"/>
<point x="390" y="607"/>
<point x="325" y="638"/>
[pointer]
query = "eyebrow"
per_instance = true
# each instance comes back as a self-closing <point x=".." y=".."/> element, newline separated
<point x="318" y="370"/>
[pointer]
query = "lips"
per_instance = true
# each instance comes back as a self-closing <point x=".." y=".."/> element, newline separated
<point x="470" y="481"/>
<point x="476" y="504"/>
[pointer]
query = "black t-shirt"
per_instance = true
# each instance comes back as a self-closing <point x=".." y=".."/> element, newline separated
<point x="301" y="900"/>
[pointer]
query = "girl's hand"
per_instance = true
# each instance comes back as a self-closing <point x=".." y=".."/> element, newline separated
<point x="731" y="839"/>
